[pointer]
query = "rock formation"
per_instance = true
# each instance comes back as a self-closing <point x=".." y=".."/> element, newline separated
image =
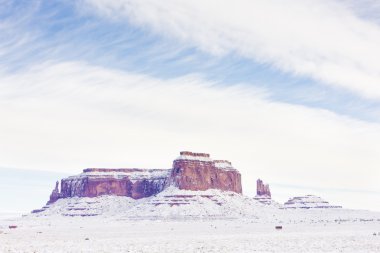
<point x="262" y="189"/>
<point x="197" y="172"/>
<point x="307" y="202"/>
<point x="263" y="194"/>
<point x="55" y="195"/>
<point x="190" y="171"/>
<point x="134" y="183"/>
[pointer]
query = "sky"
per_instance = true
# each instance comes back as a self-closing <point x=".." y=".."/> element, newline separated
<point x="288" y="91"/>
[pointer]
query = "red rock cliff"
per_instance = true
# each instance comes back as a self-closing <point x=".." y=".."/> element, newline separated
<point x="191" y="171"/>
<point x="198" y="172"/>
<point x="134" y="183"/>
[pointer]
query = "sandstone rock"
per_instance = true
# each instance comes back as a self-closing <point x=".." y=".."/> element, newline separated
<point x="262" y="189"/>
<point x="263" y="194"/>
<point x="197" y="172"/>
<point x="190" y="171"/>
<point x="54" y="196"/>
<point x="134" y="183"/>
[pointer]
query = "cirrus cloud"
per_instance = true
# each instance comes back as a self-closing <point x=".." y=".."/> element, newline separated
<point x="323" y="40"/>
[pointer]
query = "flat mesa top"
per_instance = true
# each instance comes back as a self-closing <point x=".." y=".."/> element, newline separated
<point x="126" y="170"/>
<point x="184" y="156"/>
<point x="189" y="153"/>
<point x="132" y="173"/>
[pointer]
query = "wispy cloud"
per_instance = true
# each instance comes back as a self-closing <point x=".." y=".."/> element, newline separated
<point x="325" y="40"/>
<point x="37" y="32"/>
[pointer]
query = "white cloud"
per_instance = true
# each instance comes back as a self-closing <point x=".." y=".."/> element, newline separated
<point x="68" y="116"/>
<point x="325" y="40"/>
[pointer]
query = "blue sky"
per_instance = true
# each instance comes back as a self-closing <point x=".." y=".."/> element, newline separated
<point x="61" y="31"/>
<point x="24" y="190"/>
<point x="289" y="91"/>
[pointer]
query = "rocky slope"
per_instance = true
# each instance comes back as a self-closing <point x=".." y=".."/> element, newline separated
<point x="175" y="204"/>
<point x="171" y="203"/>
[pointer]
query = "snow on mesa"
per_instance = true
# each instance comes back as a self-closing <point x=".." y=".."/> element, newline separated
<point x="195" y="187"/>
<point x="307" y="202"/>
<point x="191" y="171"/>
<point x="133" y="173"/>
<point x="187" y="155"/>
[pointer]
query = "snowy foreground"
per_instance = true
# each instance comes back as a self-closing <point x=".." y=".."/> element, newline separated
<point x="183" y="221"/>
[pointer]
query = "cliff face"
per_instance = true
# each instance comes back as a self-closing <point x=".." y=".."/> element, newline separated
<point x="197" y="172"/>
<point x="134" y="183"/>
<point x="191" y="171"/>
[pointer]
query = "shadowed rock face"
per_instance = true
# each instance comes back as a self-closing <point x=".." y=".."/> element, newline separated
<point x="55" y="195"/>
<point x="134" y="183"/>
<point x="191" y="171"/>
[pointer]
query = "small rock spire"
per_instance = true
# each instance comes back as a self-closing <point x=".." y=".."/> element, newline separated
<point x="262" y="189"/>
<point x="55" y="195"/>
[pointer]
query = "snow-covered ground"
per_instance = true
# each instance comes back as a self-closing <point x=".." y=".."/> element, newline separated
<point x="91" y="234"/>
<point x="186" y="221"/>
<point x="5" y="216"/>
